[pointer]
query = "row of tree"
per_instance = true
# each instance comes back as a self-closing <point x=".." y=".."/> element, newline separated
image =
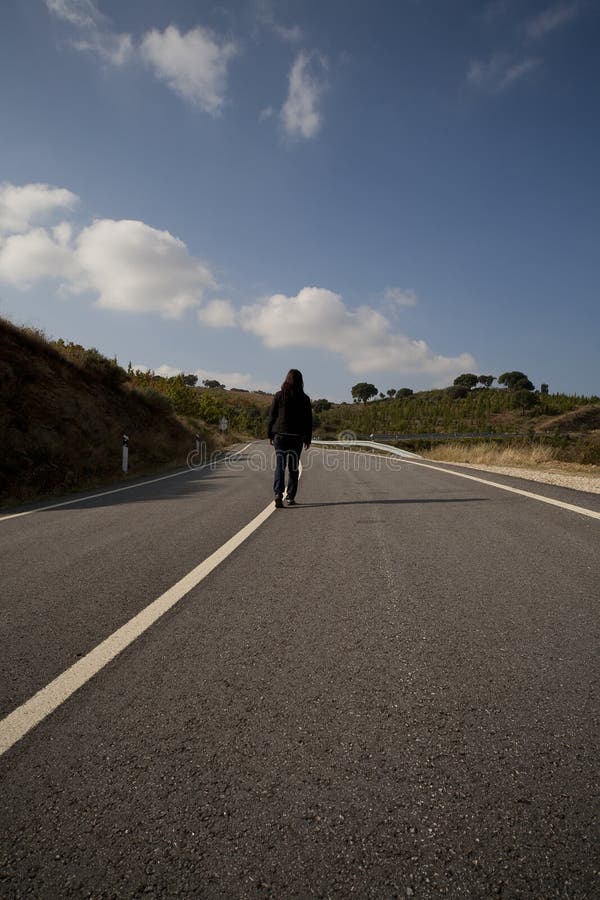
<point x="516" y="382"/>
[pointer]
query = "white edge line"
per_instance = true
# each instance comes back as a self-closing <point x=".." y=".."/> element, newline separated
<point x="127" y="487"/>
<point x="14" y="726"/>
<point x="582" y="510"/>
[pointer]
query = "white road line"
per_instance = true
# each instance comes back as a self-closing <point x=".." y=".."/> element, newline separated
<point x="49" y="698"/>
<point x="14" y="726"/>
<point x="127" y="487"/>
<point x="582" y="510"/>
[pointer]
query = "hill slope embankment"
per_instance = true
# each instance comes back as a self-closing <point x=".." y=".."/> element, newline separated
<point x="62" y="421"/>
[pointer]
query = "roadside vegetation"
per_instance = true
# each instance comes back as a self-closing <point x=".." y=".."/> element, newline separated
<point x="63" y="413"/>
<point x="64" y="409"/>
<point x="522" y="454"/>
<point x="531" y="425"/>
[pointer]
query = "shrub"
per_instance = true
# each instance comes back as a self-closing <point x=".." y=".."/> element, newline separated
<point x="156" y="400"/>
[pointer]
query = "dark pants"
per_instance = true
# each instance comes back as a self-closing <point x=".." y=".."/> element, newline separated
<point x="287" y="455"/>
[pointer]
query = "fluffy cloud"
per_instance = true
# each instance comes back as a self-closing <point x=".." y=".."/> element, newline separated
<point x="20" y="207"/>
<point x="126" y="264"/>
<point x="554" y="17"/>
<point x="500" y="72"/>
<point x="218" y="314"/>
<point x="317" y="317"/>
<point x="300" y="113"/>
<point x="26" y="258"/>
<point x="194" y="64"/>
<point x="136" y="268"/>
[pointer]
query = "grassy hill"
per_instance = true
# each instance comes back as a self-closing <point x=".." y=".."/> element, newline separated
<point x="482" y="410"/>
<point x="568" y="424"/>
<point x="63" y="411"/>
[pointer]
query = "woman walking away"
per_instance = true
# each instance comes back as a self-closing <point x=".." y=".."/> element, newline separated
<point x="290" y="426"/>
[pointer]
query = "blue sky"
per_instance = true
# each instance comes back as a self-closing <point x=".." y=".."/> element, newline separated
<point x="393" y="191"/>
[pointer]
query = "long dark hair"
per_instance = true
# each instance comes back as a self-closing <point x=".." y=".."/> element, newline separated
<point x="293" y="386"/>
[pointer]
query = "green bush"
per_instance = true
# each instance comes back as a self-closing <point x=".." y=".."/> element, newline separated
<point x="156" y="400"/>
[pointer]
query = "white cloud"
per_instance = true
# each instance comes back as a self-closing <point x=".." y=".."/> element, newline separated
<point x="20" y="207"/>
<point x="218" y="314"/>
<point x="300" y="113"/>
<point x="229" y="379"/>
<point x="500" y="72"/>
<point x="554" y="17"/>
<point x="400" y="297"/>
<point x="317" y="317"/>
<point x="26" y="258"/>
<point x="194" y="64"/>
<point x="126" y="264"/>
<point x="135" y="268"/>
<point x="95" y="28"/>
<point x="233" y="379"/>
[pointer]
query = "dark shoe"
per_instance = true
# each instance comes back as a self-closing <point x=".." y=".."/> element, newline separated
<point x="278" y="503"/>
<point x="291" y="502"/>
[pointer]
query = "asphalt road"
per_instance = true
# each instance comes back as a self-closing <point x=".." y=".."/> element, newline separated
<point x="390" y="690"/>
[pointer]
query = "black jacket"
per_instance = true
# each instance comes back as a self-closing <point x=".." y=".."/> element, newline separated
<point x="291" y="416"/>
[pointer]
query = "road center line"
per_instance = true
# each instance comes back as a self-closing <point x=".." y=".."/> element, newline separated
<point x="127" y="487"/>
<point x="14" y="726"/>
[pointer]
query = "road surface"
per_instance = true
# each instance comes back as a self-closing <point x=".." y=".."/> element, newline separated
<point x="390" y="690"/>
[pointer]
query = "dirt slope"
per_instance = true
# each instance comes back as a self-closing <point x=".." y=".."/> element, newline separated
<point x="584" y="419"/>
<point x="61" y="423"/>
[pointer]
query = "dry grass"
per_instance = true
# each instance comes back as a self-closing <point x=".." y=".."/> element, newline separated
<point x="535" y="463"/>
<point x="493" y="454"/>
<point x="61" y="424"/>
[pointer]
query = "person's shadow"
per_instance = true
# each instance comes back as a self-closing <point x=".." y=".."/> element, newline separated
<point x="300" y="504"/>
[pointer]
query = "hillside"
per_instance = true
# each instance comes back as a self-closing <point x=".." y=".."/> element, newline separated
<point x="62" y="419"/>
<point x="586" y="419"/>
<point x="483" y="410"/>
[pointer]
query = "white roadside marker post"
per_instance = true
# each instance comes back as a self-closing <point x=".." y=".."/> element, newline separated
<point x="125" y="452"/>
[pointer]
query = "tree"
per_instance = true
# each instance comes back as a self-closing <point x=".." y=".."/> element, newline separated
<point x="363" y="391"/>
<point x="467" y="379"/>
<point x="404" y="392"/>
<point x="391" y="392"/>
<point x="515" y="381"/>
<point x="486" y="380"/>
<point x="321" y="405"/>
<point x="381" y="395"/>
<point x="212" y="383"/>
<point x="544" y="389"/>
<point x="457" y="391"/>
<point x="524" y="398"/>
<point x="190" y="380"/>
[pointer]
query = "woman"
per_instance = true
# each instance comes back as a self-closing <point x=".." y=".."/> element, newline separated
<point x="290" y="426"/>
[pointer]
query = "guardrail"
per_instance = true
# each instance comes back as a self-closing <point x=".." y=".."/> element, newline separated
<point x="436" y="436"/>
<point x="348" y="445"/>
